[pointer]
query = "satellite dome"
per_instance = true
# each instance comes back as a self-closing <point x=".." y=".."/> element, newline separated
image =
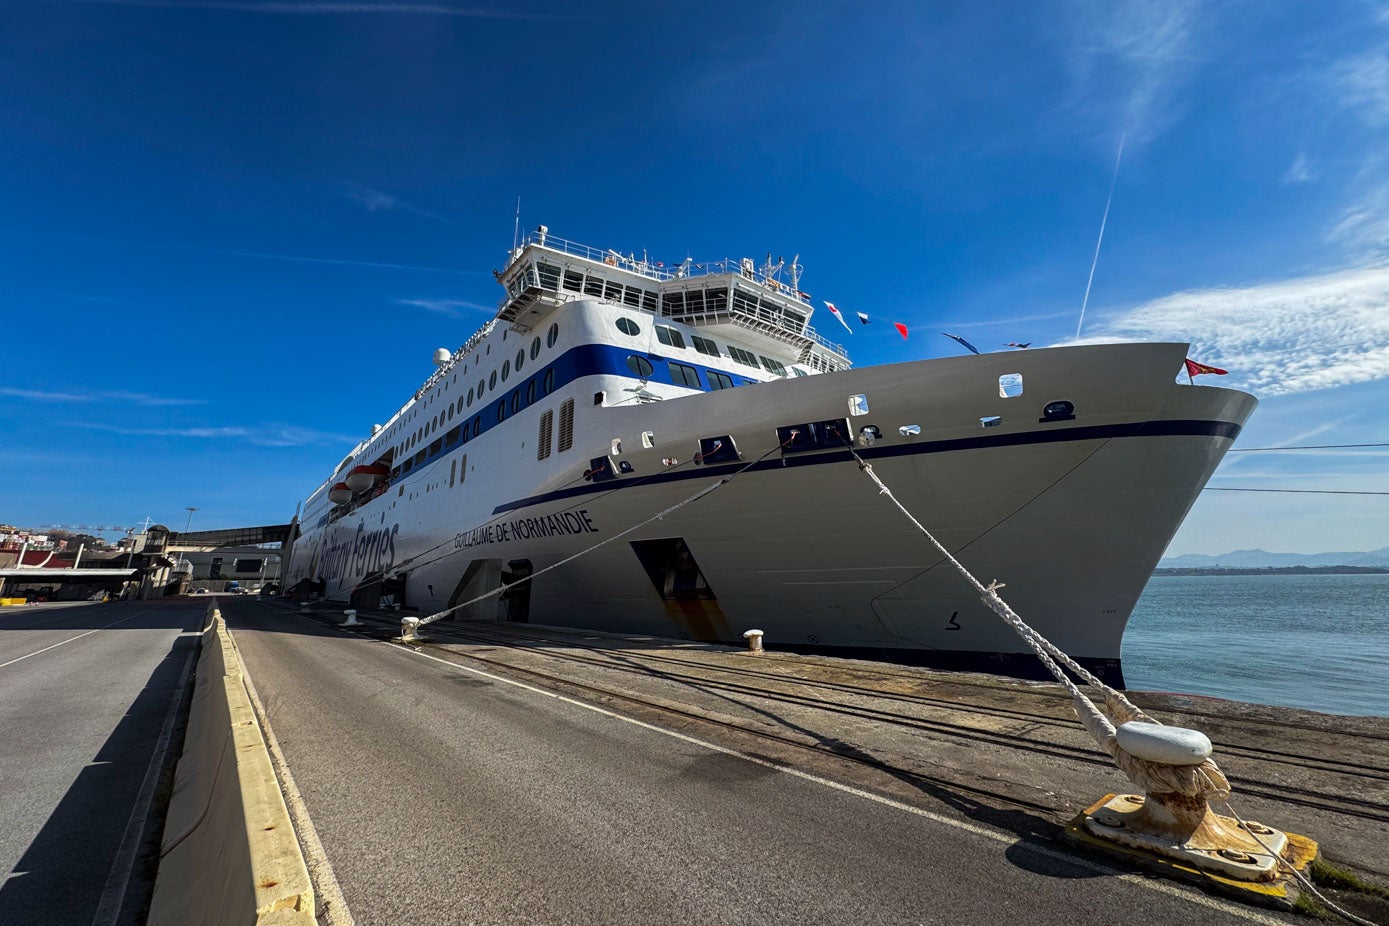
<point x="442" y="356"/>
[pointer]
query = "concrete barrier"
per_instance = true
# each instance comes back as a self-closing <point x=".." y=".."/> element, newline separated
<point x="229" y="853"/>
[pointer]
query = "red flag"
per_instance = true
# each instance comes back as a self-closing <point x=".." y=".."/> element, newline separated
<point x="901" y="329"/>
<point x="1196" y="369"/>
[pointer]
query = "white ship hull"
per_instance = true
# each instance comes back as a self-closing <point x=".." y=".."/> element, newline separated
<point x="1071" y="514"/>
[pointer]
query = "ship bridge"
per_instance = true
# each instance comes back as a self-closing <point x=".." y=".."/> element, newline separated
<point x="733" y="298"/>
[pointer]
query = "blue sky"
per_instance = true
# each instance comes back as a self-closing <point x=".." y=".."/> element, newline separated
<point x="233" y="232"/>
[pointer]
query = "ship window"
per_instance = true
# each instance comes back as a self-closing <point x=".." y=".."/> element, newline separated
<point x="542" y="445"/>
<point x="492" y="380"/>
<point x="436" y="446"/>
<point x="535" y="348"/>
<point x="612" y="291"/>
<point x="506" y="369"/>
<point x="742" y="356"/>
<point x="719" y="380"/>
<point x="858" y="404"/>
<point x="453" y="471"/>
<point x="669" y="336"/>
<point x="672" y="303"/>
<point x="1010" y="385"/>
<point x="481" y="385"/>
<point x="520" y="359"/>
<point x="515" y="401"/>
<point x="799" y="372"/>
<point x="990" y="421"/>
<point x="683" y="375"/>
<point x="549" y="385"/>
<point x="530" y="392"/>
<point x="458" y="406"/>
<point x="466" y="425"/>
<point x="573" y="281"/>
<point x="552" y="336"/>
<point x="549" y="275"/>
<point x="452" y="436"/>
<point x="501" y="411"/>
<point x="470" y="397"/>
<point x="773" y="366"/>
<point x="419" y="458"/>
<point x="409" y="465"/>
<point x="463" y="469"/>
<point x="694" y="302"/>
<point x="639" y="365"/>
<point x="593" y="286"/>
<point x="449" y="411"/>
<point x="477" y="425"/>
<point x="648" y="301"/>
<point x="632" y="297"/>
<point x="716" y="300"/>
<point x="705" y="346"/>
<point x="566" y="425"/>
<point x="627" y="326"/>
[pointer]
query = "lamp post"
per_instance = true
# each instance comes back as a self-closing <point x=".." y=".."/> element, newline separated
<point x="189" y="522"/>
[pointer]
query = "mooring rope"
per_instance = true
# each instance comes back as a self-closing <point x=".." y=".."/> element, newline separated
<point x="1204" y="779"/>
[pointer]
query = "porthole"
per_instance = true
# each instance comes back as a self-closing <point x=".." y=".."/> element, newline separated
<point x="458" y="407"/>
<point x="640" y="366"/>
<point x="520" y="359"/>
<point x="552" y="336"/>
<point x="627" y="326"/>
<point x="549" y="386"/>
<point x="470" y="398"/>
<point x="530" y="392"/>
<point x="535" y="348"/>
<point x="506" y="369"/>
<point x="515" y="401"/>
<point x="492" y="380"/>
<point x="450" y="413"/>
<point x="501" y="411"/>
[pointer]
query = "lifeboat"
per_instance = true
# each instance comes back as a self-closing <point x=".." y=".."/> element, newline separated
<point x="361" y="478"/>
<point x="340" y="493"/>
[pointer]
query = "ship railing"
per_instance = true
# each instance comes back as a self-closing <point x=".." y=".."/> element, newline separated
<point x="458" y="355"/>
<point x="763" y="321"/>
<point x="662" y="271"/>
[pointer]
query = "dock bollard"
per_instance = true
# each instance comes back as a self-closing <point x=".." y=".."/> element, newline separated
<point x="351" y="620"/>
<point x="754" y="638"/>
<point x="408" y="626"/>
<point x="1174" y="820"/>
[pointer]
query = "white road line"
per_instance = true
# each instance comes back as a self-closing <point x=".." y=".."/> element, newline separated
<point x="331" y="905"/>
<point x="70" y="639"/>
<point x="995" y="835"/>
<point x="108" y="911"/>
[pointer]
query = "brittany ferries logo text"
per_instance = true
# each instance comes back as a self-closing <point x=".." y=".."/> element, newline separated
<point x="362" y="552"/>
<point x="554" y="525"/>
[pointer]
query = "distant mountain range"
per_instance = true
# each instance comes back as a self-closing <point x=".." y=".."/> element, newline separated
<point x="1260" y="559"/>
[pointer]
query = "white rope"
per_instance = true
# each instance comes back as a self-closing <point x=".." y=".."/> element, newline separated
<point x="1152" y="777"/>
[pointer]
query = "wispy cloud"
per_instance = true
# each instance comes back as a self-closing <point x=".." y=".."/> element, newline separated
<point x="1362" y="82"/>
<point x="136" y="398"/>
<point x="1279" y="338"/>
<point x="451" y="308"/>
<point x="328" y="7"/>
<point x="378" y="201"/>
<point x="1300" y="171"/>
<point x="1363" y="227"/>
<point x="1127" y="58"/>
<point x="261" y="435"/>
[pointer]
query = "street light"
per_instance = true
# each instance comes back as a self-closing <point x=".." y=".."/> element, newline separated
<point x="190" y="519"/>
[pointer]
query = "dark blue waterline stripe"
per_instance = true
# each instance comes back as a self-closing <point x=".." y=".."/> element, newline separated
<point x="1183" y="428"/>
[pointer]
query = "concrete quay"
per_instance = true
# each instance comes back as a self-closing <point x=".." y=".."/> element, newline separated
<point x="486" y="770"/>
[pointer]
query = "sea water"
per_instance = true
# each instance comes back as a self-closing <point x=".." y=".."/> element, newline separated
<point x="1315" y="642"/>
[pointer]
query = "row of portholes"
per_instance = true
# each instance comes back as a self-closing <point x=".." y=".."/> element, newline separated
<point x="445" y="416"/>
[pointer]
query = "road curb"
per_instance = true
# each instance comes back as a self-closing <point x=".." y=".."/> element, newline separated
<point x="229" y="853"/>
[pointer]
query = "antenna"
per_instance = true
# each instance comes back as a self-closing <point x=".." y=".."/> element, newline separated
<point x="1103" y="221"/>
<point x="516" y="234"/>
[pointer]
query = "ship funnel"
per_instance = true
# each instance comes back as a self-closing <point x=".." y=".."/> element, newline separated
<point x="442" y="356"/>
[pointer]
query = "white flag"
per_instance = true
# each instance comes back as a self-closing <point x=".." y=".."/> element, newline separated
<point x="835" y="312"/>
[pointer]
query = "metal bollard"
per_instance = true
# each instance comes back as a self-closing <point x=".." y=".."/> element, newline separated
<point x="408" y="628"/>
<point x="351" y="619"/>
<point x="754" y="638"/>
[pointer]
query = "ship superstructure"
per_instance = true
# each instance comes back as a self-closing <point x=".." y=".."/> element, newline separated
<point x="608" y="388"/>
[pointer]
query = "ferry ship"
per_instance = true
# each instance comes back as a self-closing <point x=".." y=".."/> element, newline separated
<point x="608" y="389"/>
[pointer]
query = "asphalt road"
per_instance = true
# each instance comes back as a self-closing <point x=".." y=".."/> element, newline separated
<point x="89" y="694"/>
<point x="442" y="796"/>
